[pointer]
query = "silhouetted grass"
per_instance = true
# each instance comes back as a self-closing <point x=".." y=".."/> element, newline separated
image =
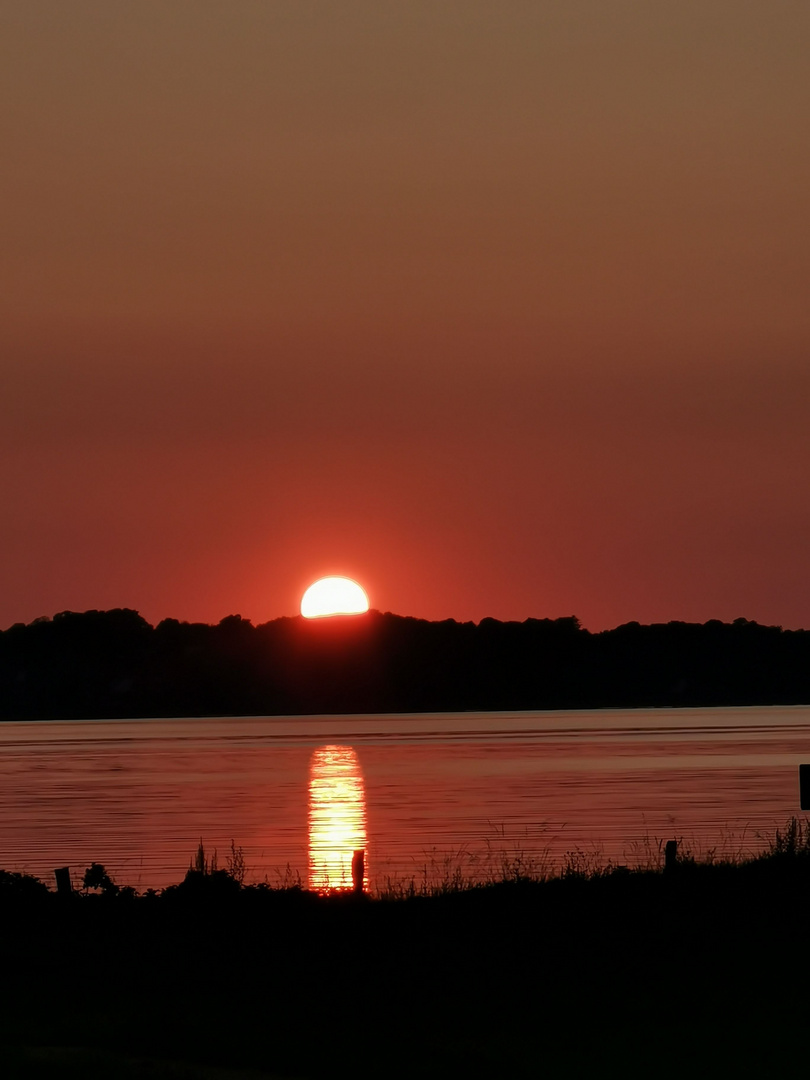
<point x="596" y="969"/>
<point x="443" y="873"/>
<point x="33" y="1063"/>
<point x="461" y="870"/>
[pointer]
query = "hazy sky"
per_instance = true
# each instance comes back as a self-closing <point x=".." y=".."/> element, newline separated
<point x="501" y="308"/>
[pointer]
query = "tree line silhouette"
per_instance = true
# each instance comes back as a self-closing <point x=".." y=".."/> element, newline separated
<point x="115" y="664"/>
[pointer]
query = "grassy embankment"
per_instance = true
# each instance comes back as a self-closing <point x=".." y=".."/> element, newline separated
<point x="704" y="969"/>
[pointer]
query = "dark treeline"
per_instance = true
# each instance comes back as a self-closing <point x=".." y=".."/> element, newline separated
<point x="114" y="664"/>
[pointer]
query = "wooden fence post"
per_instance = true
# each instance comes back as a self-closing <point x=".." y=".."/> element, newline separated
<point x="358" y="871"/>
<point x="63" y="886"/>
<point x="671" y="855"/>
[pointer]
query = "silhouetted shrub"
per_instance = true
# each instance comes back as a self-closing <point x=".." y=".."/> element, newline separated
<point x="23" y="886"/>
<point x="96" y="877"/>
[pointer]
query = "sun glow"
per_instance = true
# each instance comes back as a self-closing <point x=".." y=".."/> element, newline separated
<point x="337" y="816"/>
<point x="333" y="596"/>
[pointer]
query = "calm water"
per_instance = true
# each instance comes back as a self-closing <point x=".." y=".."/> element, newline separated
<point x="422" y="794"/>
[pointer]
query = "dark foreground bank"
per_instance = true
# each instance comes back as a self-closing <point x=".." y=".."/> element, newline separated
<point x="114" y="664"/>
<point x="700" y="971"/>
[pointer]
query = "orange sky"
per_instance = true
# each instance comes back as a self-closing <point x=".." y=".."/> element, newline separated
<point x="500" y="308"/>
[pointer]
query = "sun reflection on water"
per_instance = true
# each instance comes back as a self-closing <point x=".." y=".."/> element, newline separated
<point x="337" y="817"/>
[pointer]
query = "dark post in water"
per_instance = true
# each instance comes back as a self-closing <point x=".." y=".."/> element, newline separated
<point x="804" y="787"/>
<point x="63" y="886"/>
<point x="358" y="870"/>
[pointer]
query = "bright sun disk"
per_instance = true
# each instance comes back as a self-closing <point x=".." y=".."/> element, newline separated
<point x="333" y="596"/>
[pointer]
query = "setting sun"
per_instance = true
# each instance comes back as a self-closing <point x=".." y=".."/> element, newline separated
<point x="333" y="596"/>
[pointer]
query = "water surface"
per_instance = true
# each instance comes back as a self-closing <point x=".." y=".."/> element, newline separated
<point x="423" y="794"/>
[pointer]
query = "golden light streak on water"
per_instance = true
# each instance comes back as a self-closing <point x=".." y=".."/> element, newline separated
<point x="337" y="817"/>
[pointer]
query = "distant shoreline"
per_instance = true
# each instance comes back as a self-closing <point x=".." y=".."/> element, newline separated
<point x="416" y="717"/>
